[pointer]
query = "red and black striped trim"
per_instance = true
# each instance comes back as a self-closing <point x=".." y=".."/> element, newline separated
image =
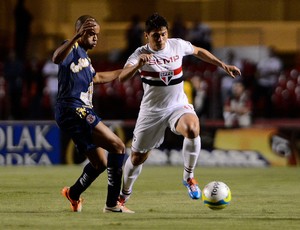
<point x="157" y="74"/>
<point x="161" y="83"/>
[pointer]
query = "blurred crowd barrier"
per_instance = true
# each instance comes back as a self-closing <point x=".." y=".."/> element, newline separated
<point x="263" y="145"/>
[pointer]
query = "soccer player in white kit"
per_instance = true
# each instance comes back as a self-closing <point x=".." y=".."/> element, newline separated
<point x="164" y="103"/>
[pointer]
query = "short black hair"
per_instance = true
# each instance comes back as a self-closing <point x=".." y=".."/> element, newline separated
<point x="81" y="20"/>
<point x="154" y="22"/>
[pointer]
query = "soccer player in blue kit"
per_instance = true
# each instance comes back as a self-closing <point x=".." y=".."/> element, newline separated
<point x="74" y="115"/>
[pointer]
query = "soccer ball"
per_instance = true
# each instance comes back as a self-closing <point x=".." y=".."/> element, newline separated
<point x="216" y="195"/>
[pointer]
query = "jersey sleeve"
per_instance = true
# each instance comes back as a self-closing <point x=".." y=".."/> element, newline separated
<point x="186" y="47"/>
<point x="68" y="59"/>
<point x="133" y="58"/>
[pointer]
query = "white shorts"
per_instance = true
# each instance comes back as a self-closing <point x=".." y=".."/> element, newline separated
<point x="149" y="131"/>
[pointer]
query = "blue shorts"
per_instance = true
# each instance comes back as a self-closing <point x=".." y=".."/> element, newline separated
<point x="78" y="123"/>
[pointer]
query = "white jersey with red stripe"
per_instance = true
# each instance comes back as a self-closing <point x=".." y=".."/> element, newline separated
<point x="162" y="76"/>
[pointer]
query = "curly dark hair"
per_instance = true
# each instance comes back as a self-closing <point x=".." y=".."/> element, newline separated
<point x="155" y="21"/>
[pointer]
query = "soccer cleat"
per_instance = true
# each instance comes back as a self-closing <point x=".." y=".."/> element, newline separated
<point x="76" y="205"/>
<point x="120" y="207"/>
<point x="193" y="189"/>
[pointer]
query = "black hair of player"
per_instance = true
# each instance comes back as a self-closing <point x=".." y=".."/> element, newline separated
<point x="154" y="22"/>
<point x="81" y="20"/>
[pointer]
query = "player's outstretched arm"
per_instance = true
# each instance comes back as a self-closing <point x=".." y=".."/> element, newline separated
<point x="130" y="70"/>
<point x="107" y="76"/>
<point x="206" y="56"/>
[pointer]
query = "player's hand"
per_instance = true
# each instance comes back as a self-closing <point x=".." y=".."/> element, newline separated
<point x="88" y="25"/>
<point x="232" y="70"/>
<point x="144" y="58"/>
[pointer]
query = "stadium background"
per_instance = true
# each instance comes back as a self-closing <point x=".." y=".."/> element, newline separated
<point x="247" y="26"/>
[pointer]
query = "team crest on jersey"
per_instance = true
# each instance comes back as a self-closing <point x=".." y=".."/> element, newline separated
<point x="166" y="76"/>
<point x="90" y="118"/>
<point x="81" y="112"/>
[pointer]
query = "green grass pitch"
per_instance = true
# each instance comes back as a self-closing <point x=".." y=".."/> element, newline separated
<point x="262" y="198"/>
